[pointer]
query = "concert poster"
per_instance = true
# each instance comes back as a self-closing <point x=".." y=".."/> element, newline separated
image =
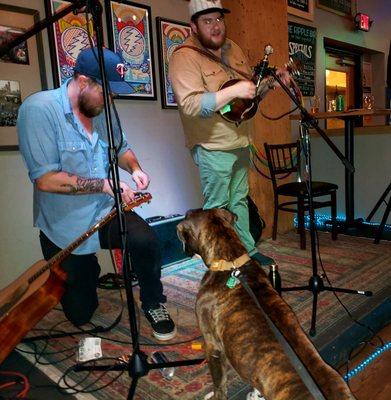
<point x="69" y="36"/>
<point x="130" y="36"/>
<point x="171" y="34"/>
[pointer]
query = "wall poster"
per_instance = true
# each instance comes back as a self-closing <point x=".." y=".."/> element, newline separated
<point x="302" y="8"/>
<point x="341" y="7"/>
<point x="302" y="48"/>
<point x="67" y="37"/>
<point x="171" y="34"/>
<point x="17" y="68"/>
<point x="130" y="36"/>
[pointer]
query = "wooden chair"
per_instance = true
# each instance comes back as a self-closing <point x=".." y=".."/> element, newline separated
<point x="284" y="159"/>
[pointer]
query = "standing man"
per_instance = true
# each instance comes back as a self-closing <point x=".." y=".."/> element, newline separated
<point x="63" y="140"/>
<point x="219" y="148"/>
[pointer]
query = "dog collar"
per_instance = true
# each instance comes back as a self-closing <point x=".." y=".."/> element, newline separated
<point x="223" y="265"/>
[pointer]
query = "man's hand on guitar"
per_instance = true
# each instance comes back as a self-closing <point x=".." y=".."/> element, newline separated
<point x="284" y="75"/>
<point x="141" y="179"/>
<point x="244" y="89"/>
<point x="127" y="193"/>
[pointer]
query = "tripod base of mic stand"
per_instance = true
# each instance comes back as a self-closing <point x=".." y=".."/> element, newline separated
<point x="316" y="285"/>
<point x="380" y="229"/>
<point x="137" y="367"/>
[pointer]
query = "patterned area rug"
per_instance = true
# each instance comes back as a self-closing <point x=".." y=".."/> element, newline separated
<point x="350" y="262"/>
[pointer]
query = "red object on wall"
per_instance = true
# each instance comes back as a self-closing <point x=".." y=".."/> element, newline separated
<point x="363" y="22"/>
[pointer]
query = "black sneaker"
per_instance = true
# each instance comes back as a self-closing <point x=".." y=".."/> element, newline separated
<point x="162" y="325"/>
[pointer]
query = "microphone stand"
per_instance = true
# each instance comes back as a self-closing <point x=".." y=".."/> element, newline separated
<point x="137" y="366"/>
<point x="382" y="199"/>
<point x="315" y="284"/>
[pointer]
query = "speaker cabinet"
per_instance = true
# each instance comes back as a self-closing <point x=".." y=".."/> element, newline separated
<point x="170" y="245"/>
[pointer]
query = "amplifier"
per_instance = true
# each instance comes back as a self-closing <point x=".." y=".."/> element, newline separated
<point x="170" y="245"/>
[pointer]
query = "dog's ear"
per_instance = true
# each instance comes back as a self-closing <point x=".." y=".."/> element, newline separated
<point x="180" y="229"/>
<point x="186" y="235"/>
<point x="227" y="215"/>
<point x="191" y="211"/>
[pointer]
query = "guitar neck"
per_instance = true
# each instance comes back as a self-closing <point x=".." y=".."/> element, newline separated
<point x="60" y="256"/>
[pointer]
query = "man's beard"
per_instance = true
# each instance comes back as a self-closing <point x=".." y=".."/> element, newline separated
<point x="208" y="43"/>
<point x="86" y="108"/>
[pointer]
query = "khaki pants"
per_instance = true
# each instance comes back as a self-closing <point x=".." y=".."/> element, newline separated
<point x="224" y="182"/>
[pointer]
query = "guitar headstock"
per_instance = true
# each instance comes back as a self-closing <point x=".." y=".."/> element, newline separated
<point x="138" y="200"/>
<point x="294" y="67"/>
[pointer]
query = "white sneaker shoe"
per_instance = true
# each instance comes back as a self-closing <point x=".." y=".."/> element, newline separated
<point x="255" y="395"/>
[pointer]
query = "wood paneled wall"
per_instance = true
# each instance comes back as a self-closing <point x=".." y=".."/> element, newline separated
<point x="252" y="24"/>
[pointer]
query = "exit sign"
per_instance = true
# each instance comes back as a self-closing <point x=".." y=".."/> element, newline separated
<point x="363" y="22"/>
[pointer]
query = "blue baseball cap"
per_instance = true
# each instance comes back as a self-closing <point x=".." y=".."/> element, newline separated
<point x="87" y="64"/>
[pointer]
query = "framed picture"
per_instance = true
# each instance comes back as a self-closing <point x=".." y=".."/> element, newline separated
<point x="18" y="54"/>
<point x="67" y="37"/>
<point x="301" y="8"/>
<point x="346" y="8"/>
<point x="170" y="35"/>
<point x="130" y="36"/>
<point x="17" y="68"/>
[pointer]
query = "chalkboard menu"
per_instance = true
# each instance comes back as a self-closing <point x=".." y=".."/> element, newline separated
<point x="339" y="6"/>
<point x="301" y="5"/>
<point x="302" y="47"/>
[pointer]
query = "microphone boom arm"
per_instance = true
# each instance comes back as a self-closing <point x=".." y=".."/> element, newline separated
<point x="311" y="121"/>
<point x="41" y="25"/>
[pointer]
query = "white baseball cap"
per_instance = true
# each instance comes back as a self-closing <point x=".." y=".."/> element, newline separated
<point x="199" y="7"/>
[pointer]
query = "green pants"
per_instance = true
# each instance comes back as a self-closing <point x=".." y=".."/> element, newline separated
<point x="224" y="182"/>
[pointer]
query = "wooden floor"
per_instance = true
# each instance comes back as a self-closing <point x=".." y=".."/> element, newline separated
<point x="374" y="382"/>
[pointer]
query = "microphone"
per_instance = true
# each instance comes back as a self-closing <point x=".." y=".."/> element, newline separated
<point x="261" y="68"/>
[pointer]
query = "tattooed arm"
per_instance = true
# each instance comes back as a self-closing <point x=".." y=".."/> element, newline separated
<point x="66" y="183"/>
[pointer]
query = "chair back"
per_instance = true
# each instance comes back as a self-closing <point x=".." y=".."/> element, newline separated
<point x="283" y="159"/>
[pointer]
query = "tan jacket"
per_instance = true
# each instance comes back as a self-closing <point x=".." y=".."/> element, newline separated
<point x="193" y="75"/>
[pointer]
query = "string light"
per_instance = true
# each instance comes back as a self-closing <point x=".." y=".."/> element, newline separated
<point x="366" y="362"/>
<point x="322" y="220"/>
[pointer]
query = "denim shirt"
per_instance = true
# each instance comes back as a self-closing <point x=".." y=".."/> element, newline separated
<point x="51" y="138"/>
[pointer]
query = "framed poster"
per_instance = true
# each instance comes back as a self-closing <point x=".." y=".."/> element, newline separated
<point x="301" y="8"/>
<point x="341" y="7"/>
<point x="302" y="48"/>
<point x="17" y="68"/>
<point x="67" y="37"/>
<point x="130" y="36"/>
<point x="170" y="35"/>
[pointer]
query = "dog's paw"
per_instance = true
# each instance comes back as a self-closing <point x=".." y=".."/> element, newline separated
<point x="209" y="396"/>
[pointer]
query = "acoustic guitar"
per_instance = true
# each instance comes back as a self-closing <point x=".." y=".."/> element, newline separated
<point x="31" y="296"/>
<point x="239" y="110"/>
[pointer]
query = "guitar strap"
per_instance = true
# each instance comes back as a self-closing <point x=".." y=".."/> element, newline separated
<point x="215" y="59"/>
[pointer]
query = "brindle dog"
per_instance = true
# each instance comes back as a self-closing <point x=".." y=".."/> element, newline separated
<point x="235" y="330"/>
